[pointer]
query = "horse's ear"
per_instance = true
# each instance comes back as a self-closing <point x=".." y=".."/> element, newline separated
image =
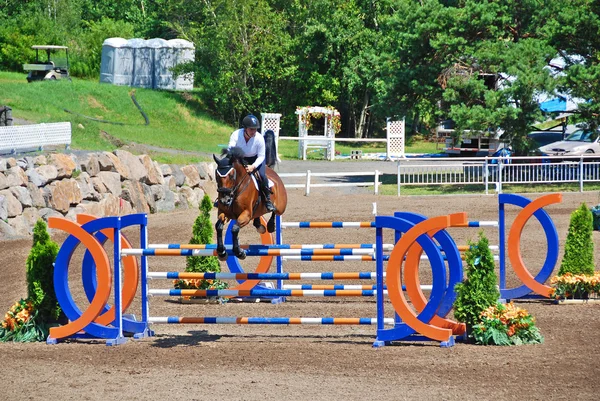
<point x="216" y="160"/>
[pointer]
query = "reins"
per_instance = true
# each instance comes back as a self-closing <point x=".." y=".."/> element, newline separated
<point x="234" y="190"/>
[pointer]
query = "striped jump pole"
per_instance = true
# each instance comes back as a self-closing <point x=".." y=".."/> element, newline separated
<point x="261" y="293"/>
<point x="251" y="251"/>
<point x="348" y="321"/>
<point x="264" y="276"/>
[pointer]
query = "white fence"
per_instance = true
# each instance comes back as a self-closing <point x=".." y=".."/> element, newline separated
<point x="308" y="184"/>
<point x="484" y="173"/>
<point x="497" y="171"/>
<point x="36" y="136"/>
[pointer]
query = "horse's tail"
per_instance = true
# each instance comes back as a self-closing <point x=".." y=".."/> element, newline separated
<point x="270" y="148"/>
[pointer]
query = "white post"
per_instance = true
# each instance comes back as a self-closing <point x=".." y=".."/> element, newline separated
<point x="398" y="178"/>
<point x="271" y="121"/>
<point x="307" y="189"/>
<point x="395" y="133"/>
<point x="376" y="182"/>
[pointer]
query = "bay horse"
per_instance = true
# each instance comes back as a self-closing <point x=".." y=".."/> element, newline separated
<point x="239" y="198"/>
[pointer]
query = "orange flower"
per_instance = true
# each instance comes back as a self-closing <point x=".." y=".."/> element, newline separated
<point x="23" y="316"/>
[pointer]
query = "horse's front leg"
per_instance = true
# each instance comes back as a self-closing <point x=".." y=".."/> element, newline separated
<point x="259" y="226"/>
<point x="242" y="220"/>
<point x="221" y="252"/>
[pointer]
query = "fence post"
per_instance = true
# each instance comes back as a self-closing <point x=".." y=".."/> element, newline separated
<point x="398" y="178"/>
<point x="500" y="168"/>
<point x="376" y="182"/>
<point x="486" y="175"/>
<point x="581" y="174"/>
<point x="307" y="189"/>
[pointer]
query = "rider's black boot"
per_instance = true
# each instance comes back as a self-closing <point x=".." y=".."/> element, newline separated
<point x="267" y="198"/>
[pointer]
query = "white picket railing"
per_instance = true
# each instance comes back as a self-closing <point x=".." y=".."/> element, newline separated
<point x="477" y="172"/>
<point x="26" y="137"/>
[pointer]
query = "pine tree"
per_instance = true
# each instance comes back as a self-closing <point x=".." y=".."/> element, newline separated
<point x="480" y="289"/>
<point x="579" y="247"/>
<point x="40" y="274"/>
<point x="202" y="233"/>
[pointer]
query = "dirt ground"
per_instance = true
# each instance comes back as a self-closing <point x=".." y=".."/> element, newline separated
<point x="227" y="362"/>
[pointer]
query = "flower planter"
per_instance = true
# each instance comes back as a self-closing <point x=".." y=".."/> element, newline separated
<point x="577" y="301"/>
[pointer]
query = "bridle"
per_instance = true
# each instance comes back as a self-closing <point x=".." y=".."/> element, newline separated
<point x="231" y="193"/>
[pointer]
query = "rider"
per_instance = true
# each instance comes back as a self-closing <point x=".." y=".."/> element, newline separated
<point x="253" y="144"/>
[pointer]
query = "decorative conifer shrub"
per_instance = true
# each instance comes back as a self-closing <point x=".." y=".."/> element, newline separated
<point x="29" y="319"/>
<point x="202" y="233"/>
<point x="479" y="290"/>
<point x="579" y="247"/>
<point x="40" y="274"/>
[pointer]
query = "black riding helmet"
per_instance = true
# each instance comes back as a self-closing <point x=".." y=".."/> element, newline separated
<point x="250" y="121"/>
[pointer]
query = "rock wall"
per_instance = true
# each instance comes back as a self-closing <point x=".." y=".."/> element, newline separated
<point x="101" y="184"/>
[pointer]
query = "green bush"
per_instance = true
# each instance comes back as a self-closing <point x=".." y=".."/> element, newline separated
<point x="29" y="319"/>
<point x="480" y="288"/>
<point x="579" y="247"/>
<point x="40" y="272"/>
<point x="202" y="233"/>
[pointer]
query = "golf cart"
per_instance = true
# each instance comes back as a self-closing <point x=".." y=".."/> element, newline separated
<point x="42" y="70"/>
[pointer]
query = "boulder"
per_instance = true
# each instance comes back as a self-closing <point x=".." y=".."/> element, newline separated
<point x="64" y="164"/>
<point x="192" y="178"/>
<point x="15" y="177"/>
<point x="154" y="174"/>
<point x="22" y="194"/>
<point x="64" y="194"/>
<point x="48" y="173"/>
<point x="13" y="206"/>
<point x="135" y="168"/>
<point x="134" y="194"/>
<point x="111" y="181"/>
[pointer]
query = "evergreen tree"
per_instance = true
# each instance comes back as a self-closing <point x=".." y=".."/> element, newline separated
<point x="480" y="289"/>
<point x="40" y="274"/>
<point x="579" y="247"/>
<point x="202" y="233"/>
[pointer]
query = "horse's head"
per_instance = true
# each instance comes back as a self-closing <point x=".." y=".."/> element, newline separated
<point x="229" y="173"/>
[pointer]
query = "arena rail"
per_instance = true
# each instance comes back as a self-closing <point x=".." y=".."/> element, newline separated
<point x="484" y="172"/>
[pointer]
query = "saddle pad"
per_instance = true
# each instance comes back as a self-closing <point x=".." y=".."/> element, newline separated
<point x="271" y="183"/>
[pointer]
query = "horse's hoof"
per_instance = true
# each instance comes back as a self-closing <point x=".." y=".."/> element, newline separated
<point x="222" y="256"/>
<point x="270" y="228"/>
<point x="241" y="254"/>
<point x="261" y="229"/>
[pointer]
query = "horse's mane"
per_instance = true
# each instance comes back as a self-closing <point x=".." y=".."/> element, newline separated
<point x="233" y="154"/>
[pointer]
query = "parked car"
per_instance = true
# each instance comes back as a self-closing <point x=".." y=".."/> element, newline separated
<point x="543" y="138"/>
<point x="581" y="142"/>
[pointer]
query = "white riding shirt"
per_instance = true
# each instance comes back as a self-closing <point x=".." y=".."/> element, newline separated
<point x="254" y="147"/>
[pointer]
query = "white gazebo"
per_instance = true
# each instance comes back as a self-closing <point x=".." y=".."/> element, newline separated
<point x="331" y="127"/>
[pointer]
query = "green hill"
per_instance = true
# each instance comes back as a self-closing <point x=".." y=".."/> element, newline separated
<point x="176" y="119"/>
<point x="104" y="117"/>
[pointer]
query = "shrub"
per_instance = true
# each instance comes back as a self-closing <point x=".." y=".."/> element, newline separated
<point x="479" y="290"/>
<point x="579" y="247"/>
<point x="40" y="274"/>
<point x="202" y="233"/>
<point x="506" y="324"/>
